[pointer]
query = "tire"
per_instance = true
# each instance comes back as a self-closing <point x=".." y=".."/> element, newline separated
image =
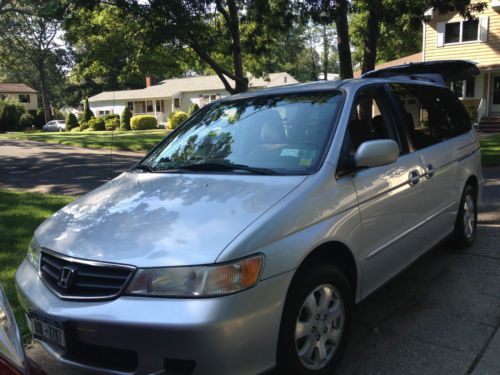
<point x="466" y="222"/>
<point x="321" y="324"/>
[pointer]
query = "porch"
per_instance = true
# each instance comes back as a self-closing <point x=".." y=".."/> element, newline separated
<point x="159" y="108"/>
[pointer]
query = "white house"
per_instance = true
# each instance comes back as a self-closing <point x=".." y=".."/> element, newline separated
<point x="174" y="95"/>
<point x="21" y="93"/>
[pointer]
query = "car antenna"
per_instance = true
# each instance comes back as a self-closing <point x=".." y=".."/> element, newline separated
<point x="112" y="141"/>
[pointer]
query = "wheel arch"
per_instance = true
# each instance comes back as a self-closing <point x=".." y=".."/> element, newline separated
<point x="474" y="182"/>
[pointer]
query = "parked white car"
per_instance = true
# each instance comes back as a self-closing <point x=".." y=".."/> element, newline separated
<point x="54" y="126"/>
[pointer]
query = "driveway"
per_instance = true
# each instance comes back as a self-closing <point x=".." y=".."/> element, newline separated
<point x="440" y="316"/>
<point x="51" y="168"/>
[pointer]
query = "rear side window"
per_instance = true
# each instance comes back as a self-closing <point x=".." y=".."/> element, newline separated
<point x="431" y="114"/>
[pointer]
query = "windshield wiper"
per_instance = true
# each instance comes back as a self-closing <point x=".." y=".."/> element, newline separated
<point x="143" y="167"/>
<point x="213" y="166"/>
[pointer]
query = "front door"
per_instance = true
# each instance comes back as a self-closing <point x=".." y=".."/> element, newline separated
<point x="495" y="95"/>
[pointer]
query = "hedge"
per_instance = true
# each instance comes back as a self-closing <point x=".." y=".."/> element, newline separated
<point x="71" y="122"/>
<point x="143" y="122"/>
<point x="26" y="121"/>
<point x="125" y="119"/>
<point x="10" y="113"/>
<point x="96" y="124"/>
<point x="176" y="118"/>
<point x="112" y="123"/>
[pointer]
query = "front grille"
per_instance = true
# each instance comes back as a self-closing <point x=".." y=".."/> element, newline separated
<point x="78" y="279"/>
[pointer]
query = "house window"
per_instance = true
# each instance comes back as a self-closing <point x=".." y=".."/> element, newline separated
<point x="149" y="106"/>
<point x="207" y="98"/>
<point x="464" y="89"/>
<point x="130" y="105"/>
<point x="102" y="113"/>
<point x="177" y="102"/>
<point x="158" y="108"/>
<point x="24" y="98"/>
<point x="463" y="31"/>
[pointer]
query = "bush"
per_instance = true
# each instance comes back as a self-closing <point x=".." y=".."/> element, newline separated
<point x="10" y="113"/>
<point x="143" y="122"/>
<point x="96" y="124"/>
<point x="110" y="116"/>
<point x="58" y="115"/>
<point x="87" y="113"/>
<point x="74" y="130"/>
<point x="83" y="125"/>
<point x="26" y="121"/>
<point x="125" y="119"/>
<point x="71" y="122"/>
<point x="176" y="118"/>
<point x="112" y="123"/>
<point x="192" y="109"/>
<point x="39" y="118"/>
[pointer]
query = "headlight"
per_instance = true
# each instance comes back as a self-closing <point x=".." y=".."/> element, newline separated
<point x="197" y="281"/>
<point x="34" y="252"/>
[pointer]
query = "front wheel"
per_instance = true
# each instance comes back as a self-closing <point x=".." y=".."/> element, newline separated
<point x="315" y="323"/>
<point x="466" y="222"/>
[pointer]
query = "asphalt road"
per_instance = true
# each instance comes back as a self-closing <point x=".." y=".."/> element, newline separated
<point x="440" y="316"/>
<point x="56" y="169"/>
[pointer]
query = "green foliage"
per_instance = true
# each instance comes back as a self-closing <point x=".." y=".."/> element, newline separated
<point x="192" y="109"/>
<point x="71" y="121"/>
<point x="143" y="122"/>
<point x="112" y="123"/>
<point x="84" y="125"/>
<point x="26" y="121"/>
<point x="125" y="119"/>
<point x="75" y="130"/>
<point x="40" y="118"/>
<point x="87" y="113"/>
<point x="110" y="116"/>
<point x="96" y="124"/>
<point x="10" y="113"/>
<point x="176" y="118"/>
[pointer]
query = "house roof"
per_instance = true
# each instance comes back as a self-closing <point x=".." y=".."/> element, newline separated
<point x="417" y="57"/>
<point x="170" y="87"/>
<point x="16" y="87"/>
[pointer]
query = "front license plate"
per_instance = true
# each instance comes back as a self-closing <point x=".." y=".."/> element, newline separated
<point x="47" y="329"/>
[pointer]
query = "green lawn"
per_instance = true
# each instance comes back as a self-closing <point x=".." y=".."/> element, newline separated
<point x="490" y="150"/>
<point x="20" y="214"/>
<point x="141" y="140"/>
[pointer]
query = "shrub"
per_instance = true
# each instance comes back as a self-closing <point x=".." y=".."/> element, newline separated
<point x="143" y="122"/>
<point x="40" y="118"/>
<point x="58" y="115"/>
<point x="112" y="123"/>
<point x="192" y="109"/>
<point x="74" y="130"/>
<point x="110" y="116"/>
<point x="87" y="113"/>
<point x="176" y="118"/>
<point x="10" y="113"/>
<point x="26" y="121"/>
<point x="96" y="124"/>
<point x="125" y="119"/>
<point x="84" y="125"/>
<point x="71" y="122"/>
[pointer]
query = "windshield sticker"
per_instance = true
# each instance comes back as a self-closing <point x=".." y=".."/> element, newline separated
<point x="291" y="152"/>
<point x="305" y="162"/>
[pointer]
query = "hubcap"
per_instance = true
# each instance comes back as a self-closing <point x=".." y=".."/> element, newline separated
<point x="319" y="327"/>
<point x="469" y="216"/>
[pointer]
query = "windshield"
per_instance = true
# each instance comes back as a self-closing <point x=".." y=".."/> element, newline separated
<point x="275" y="134"/>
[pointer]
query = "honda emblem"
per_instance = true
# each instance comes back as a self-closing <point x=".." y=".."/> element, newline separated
<point x="66" y="277"/>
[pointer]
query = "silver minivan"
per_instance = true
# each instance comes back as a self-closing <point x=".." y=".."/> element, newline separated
<point x="242" y="242"/>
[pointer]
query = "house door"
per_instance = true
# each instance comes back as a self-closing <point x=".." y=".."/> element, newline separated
<point x="495" y="97"/>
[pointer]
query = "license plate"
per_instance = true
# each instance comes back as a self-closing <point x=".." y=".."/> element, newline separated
<point x="47" y="329"/>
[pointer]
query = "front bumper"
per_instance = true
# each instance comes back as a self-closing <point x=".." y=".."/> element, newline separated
<point x="231" y="334"/>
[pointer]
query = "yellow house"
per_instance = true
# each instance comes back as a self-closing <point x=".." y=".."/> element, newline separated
<point x="21" y="93"/>
<point x="450" y="37"/>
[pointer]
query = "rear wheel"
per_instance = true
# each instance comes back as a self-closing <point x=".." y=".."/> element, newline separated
<point x="466" y="222"/>
<point x="315" y="322"/>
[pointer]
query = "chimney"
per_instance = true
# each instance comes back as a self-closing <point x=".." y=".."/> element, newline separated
<point x="150" y="81"/>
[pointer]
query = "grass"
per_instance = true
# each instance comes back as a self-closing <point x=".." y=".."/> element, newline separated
<point x="141" y="140"/>
<point x="490" y="150"/>
<point x="20" y="214"/>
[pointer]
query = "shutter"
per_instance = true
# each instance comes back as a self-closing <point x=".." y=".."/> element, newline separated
<point x="483" y="28"/>
<point x="440" y="34"/>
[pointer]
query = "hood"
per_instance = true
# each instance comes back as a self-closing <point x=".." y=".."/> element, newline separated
<point x="155" y="220"/>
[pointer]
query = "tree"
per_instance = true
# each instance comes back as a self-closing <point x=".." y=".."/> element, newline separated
<point x="29" y="36"/>
<point x="71" y="121"/>
<point x="87" y="112"/>
<point x="125" y="118"/>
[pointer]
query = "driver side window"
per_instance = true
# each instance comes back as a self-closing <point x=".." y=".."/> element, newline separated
<point x="370" y="120"/>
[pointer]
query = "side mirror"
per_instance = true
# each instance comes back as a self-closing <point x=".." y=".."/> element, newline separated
<point x="376" y="153"/>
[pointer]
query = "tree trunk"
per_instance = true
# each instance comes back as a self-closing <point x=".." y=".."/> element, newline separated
<point x="43" y="88"/>
<point x="241" y="84"/>
<point x="326" y="50"/>
<point x="343" y="45"/>
<point x="314" y="72"/>
<point x="371" y="39"/>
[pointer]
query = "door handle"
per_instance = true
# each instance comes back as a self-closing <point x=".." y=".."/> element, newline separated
<point x="430" y="170"/>
<point x="414" y="177"/>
